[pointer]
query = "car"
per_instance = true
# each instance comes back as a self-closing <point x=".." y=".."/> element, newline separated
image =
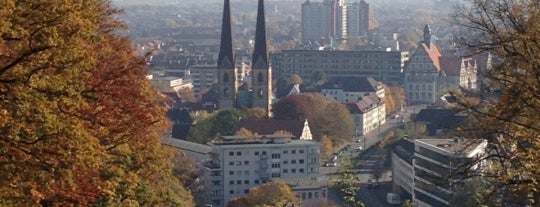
<point x="330" y="164"/>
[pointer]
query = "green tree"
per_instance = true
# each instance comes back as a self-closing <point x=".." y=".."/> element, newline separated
<point x="349" y="184"/>
<point x="507" y="114"/>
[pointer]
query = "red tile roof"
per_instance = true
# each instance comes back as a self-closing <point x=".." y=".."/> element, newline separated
<point x="434" y="54"/>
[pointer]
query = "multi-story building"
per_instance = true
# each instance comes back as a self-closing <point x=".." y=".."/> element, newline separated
<point x="204" y="76"/>
<point x="368" y="114"/>
<point x="357" y="19"/>
<point x="423" y="76"/>
<point x="352" y="90"/>
<point x="436" y="167"/>
<point x="381" y="65"/>
<point x="318" y="20"/>
<point x="460" y="71"/>
<point x="239" y="163"/>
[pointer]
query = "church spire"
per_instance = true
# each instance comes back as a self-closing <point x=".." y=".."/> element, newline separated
<point x="226" y="57"/>
<point x="260" y="55"/>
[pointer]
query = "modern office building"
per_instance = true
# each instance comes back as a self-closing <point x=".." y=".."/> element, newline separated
<point x="381" y="65"/>
<point x="239" y="163"/>
<point x="435" y="167"/>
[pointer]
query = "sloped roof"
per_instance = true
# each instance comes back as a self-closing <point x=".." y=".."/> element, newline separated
<point x="366" y="104"/>
<point x="353" y="84"/>
<point x="439" y="119"/>
<point x="434" y="54"/>
<point x="270" y="126"/>
<point x="451" y="64"/>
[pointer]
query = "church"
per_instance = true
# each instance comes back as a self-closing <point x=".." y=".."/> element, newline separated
<point x="259" y="92"/>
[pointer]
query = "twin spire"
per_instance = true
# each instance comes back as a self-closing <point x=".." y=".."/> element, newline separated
<point x="226" y="55"/>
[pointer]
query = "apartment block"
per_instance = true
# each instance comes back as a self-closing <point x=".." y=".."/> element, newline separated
<point x="239" y="163"/>
<point x="381" y="65"/>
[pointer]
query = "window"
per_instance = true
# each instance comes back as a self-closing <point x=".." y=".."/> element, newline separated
<point x="263" y="152"/>
<point x="231" y="182"/>
<point x="246" y="191"/>
<point x="231" y="172"/>
<point x="276" y="156"/>
<point x="285" y="162"/>
<point x="231" y="153"/>
<point x="285" y="151"/>
<point x="293" y="170"/>
<point x="225" y="78"/>
<point x="276" y="165"/>
<point x="246" y="182"/>
<point x="231" y="192"/>
<point x="256" y="181"/>
<point x="231" y="163"/>
<point x="238" y="182"/>
<point x="276" y="175"/>
<point x="301" y="161"/>
<point x="301" y="151"/>
<point x="285" y="170"/>
<point x="301" y="170"/>
<point x="260" y="77"/>
<point x="246" y="172"/>
<point x="293" y="162"/>
<point x="293" y="151"/>
<point x="215" y="182"/>
<point x="238" y="153"/>
<point x="246" y="162"/>
<point x="256" y="152"/>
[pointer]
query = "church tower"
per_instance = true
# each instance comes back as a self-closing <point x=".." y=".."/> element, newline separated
<point x="260" y="68"/>
<point x="427" y="35"/>
<point x="227" y="83"/>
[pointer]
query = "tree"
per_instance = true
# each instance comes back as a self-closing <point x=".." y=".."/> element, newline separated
<point x="275" y="193"/>
<point x="208" y="126"/>
<point x="394" y="98"/>
<point x="349" y="184"/>
<point x="507" y="115"/>
<point x="326" y="147"/>
<point x="80" y="125"/>
<point x="255" y="113"/>
<point x="334" y="121"/>
<point x="186" y="94"/>
<point x="296" y="79"/>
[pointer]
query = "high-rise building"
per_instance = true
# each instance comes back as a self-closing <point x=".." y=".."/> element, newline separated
<point x="357" y="19"/>
<point x="319" y="20"/>
<point x="239" y="163"/>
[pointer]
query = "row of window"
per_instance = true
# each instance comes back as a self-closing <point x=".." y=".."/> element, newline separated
<point x="274" y="156"/>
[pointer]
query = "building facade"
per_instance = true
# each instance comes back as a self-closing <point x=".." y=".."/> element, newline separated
<point x="434" y="166"/>
<point x="423" y="76"/>
<point x="318" y="20"/>
<point x="368" y="114"/>
<point x="240" y="163"/>
<point x="381" y="65"/>
<point x="357" y="19"/>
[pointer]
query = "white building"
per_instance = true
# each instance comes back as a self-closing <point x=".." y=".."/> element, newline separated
<point x="434" y="168"/>
<point x="352" y="93"/>
<point x="239" y="163"/>
<point x="368" y="114"/>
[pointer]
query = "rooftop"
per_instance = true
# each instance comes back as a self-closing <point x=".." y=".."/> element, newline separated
<point x="455" y="146"/>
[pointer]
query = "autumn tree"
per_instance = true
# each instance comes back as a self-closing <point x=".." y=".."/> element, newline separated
<point x="275" y="193"/>
<point x="507" y="115"/>
<point x="394" y="98"/>
<point x="80" y="125"/>
<point x="335" y="121"/>
<point x="327" y="147"/>
<point x="255" y="113"/>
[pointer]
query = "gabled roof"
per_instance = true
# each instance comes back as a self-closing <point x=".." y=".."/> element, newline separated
<point x="433" y="53"/>
<point x="353" y="84"/>
<point x="439" y="119"/>
<point x="270" y="126"/>
<point x="451" y="64"/>
<point x="366" y="104"/>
